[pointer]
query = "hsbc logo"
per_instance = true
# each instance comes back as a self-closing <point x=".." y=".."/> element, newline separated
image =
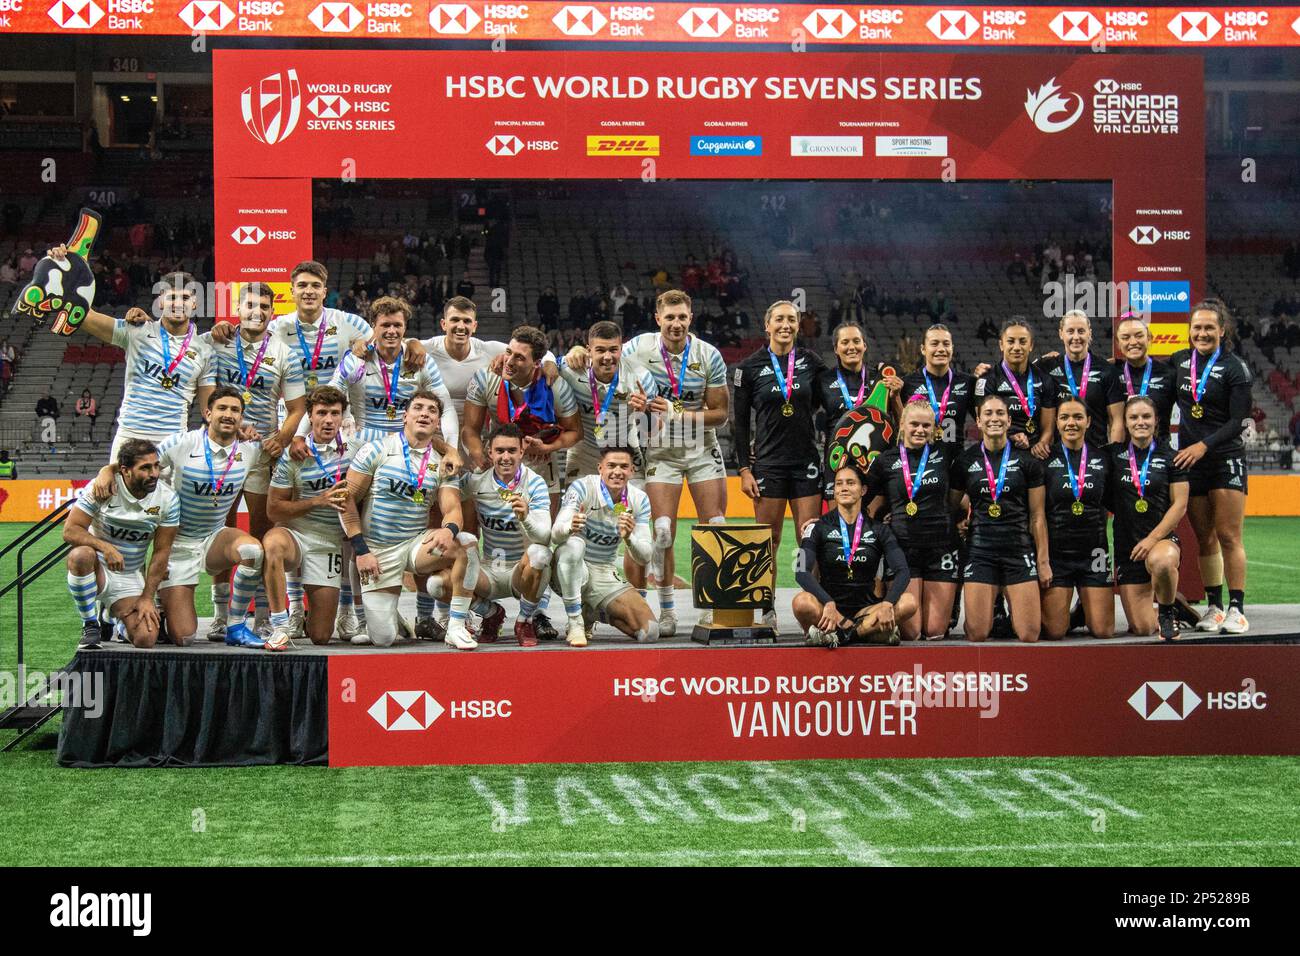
<point x="329" y="107"/>
<point x="1145" y="235"/>
<point x="952" y="24"/>
<point x="76" y="14"/>
<point x="272" y="112"/>
<point x="203" y="15"/>
<point x="1164" y="700"/>
<point x="1075" y="26"/>
<point x="579" y="21"/>
<point x="704" y="22"/>
<point x="1106" y="86"/>
<point x="248" y="235"/>
<point x="453" y="19"/>
<point x="830" y="24"/>
<point x="1194" y="27"/>
<point x="406" y="710"/>
<point x="335" y="17"/>
<point x="505" y="145"/>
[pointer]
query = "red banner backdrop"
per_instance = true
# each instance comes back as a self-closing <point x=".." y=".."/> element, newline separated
<point x="642" y="704"/>
<point x="788" y="23"/>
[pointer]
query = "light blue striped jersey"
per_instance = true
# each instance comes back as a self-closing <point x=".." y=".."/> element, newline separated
<point x="619" y="421"/>
<point x="365" y="381"/>
<point x="308" y="479"/>
<point x="128" y="523"/>
<point x="185" y="466"/>
<point x="392" y="516"/>
<point x="503" y="538"/>
<point x="279" y="376"/>
<point x="147" y="408"/>
<point x="601" y="529"/>
<point x="341" y="330"/>
<point x="705" y="369"/>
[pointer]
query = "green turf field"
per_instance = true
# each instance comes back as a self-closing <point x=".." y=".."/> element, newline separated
<point x="1069" y="811"/>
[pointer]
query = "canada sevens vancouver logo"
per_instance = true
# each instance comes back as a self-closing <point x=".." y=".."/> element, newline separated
<point x="271" y="113"/>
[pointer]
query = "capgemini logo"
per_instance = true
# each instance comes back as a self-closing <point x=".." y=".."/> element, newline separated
<point x="1047" y="102"/>
<point x="271" y="113"/>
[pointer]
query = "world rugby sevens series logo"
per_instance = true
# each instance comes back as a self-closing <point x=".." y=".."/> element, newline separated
<point x="271" y="113"/>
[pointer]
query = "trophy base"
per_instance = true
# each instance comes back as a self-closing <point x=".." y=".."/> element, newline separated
<point x="734" y="628"/>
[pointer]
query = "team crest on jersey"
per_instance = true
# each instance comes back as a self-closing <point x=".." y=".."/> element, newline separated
<point x="152" y="511"/>
<point x="332" y="330"/>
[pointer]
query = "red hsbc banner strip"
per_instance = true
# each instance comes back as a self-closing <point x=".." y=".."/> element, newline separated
<point x="784" y="704"/>
<point x="263" y="229"/>
<point x="955" y="24"/>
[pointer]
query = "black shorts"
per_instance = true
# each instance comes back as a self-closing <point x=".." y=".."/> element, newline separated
<point x="933" y="563"/>
<point x="1134" y="572"/>
<point x="1213" y="472"/>
<point x="1003" y="567"/>
<point x="1082" y="570"/>
<point x="788" y="481"/>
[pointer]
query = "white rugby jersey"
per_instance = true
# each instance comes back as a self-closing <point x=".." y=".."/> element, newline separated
<point x="327" y="465"/>
<point x="456" y="373"/>
<point x="705" y="369"/>
<point x="366" y="382"/>
<point x="341" y="330"/>
<point x="601" y="530"/>
<point x="503" y="537"/>
<point x="148" y="409"/>
<point x="619" y="421"/>
<point x="195" y="475"/>
<point x="278" y="376"/>
<point x="128" y="523"/>
<point x="393" y="516"/>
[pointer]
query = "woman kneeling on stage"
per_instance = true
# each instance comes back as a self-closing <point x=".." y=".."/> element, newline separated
<point x="844" y="548"/>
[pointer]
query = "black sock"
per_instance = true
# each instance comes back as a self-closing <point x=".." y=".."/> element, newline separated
<point x="1167" y="610"/>
<point x="1214" y="595"/>
<point x="1237" y="599"/>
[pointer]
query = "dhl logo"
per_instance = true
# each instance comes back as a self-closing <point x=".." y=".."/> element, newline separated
<point x="1167" y="337"/>
<point x="622" y="145"/>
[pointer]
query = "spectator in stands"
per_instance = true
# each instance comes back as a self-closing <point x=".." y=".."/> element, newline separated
<point x="26" y="264"/>
<point x="47" y="414"/>
<point x="465" y="287"/>
<point x="692" y="276"/>
<point x="548" y="309"/>
<point x="1016" y="270"/>
<point x="495" y="246"/>
<point x="659" y="278"/>
<point x="809" y="326"/>
<point x="88" y="409"/>
<point x="988" y="331"/>
<point x="617" y="296"/>
<point x="380" y="264"/>
<point x="9" y="271"/>
<point x="909" y="353"/>
<point x="8" y="469"/>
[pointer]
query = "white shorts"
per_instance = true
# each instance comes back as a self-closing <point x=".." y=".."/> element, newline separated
<point x="551" y="472"/>
<point x="258" y="481"/>
<point x="320" y="560"/>
<point x="675" y="466"/>
<point x="500" y="575"/>
<point x="585" y="460"/>
<point x="394" y="561"/>
<point x="120" y="585"/>
<point x="122" y="435"/>
<point x="601" y="584"/>
<point x="189" y="559"/>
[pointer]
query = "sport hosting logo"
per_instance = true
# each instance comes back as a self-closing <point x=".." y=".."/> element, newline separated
<point x="1164" y="700"/>
<point x="271" y="113"/>
<point x="1047" y="103"/>
<point x="335" y="17"/>
<point x="76" y="14"/>
<point x="705" y="22"/>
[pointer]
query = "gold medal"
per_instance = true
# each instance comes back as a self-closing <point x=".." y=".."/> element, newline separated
<point x="391" y="411"/>
<point x="678" y="405"/>
<point x="312" y="380"/>
<point x="1141" y="506"/>
<point x="850" y="574"/>
<point x="787" y="409"/>
<point x="247" y="397"/>
<point x="506" y="494"/>
<point x="418" y="497"/>
<point x="620" y="508"/>
<point x="1197" y="410"/>
<point x="911" y="508"/>
<point x="599" y="431"/>
<point x="1030" y="427"/>
<point x="995" y="510"/>
<point x="168" y="382"/>
<point x="1077" y="508"/>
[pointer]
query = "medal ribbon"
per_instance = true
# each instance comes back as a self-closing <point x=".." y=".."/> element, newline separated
<point x="1198" y="388"/>
<point x="598" y="408"/>
<point x="844" y="389"/>
<point x="609" y="499"/>
<point x="185" y="344"/>
<point x="1026" y="401"/>
<point x="513" y="415"/>
<point x="514" y="483"/>
<point x="338" y="465"/>
<point x="416" y="480"/>
<point x="785" y="380"/>
<point x="1076" y="485"/>
<point x="390" y="378"/>
<point x="212" y="471"/>
<point x="313" y="359"/>
<point x="248" y="375"/>
<point x="1080" y="393"/>
<point x="849" y="549"/>
<point x="1146" y="379"/>
<point x="940" y="406"/>
<point x="675" y="383"/>
<point x="995" y="487"/>
<point x="913" y="486"/>
<point x="1140" y="481"/>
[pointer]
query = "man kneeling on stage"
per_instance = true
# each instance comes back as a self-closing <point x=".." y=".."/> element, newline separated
<point x="599" y="511"/>
<point x="838" y="604"/>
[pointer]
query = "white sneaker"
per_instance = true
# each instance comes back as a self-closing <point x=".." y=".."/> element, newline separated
<point x="280" y="639"/>
<point x="217" y="630"/>
<point x="769" y="620"/>
<point x="577" y="633"/>
<point x="1235" y="622"/>
<point x="360" y="639"/>
<point x="262" y="629"/>
<point x="819" y="638"/>
<point x="297" y="625"/>
<point x="346" y="624"/>
<point x="1212" y="620"/>
<point x="473" y="623"/>
<point x="404" y="629"/>
<point x="668" y="623"/>
<point x="458" y="637"/>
